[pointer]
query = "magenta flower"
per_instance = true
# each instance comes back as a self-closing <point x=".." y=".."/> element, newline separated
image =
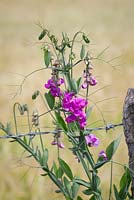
<point x="103" y="155"/>
<point x="74" y="105"/>
<point x="71" y="118"/>
<point x="54" y="86"/>
<point x="92" y="140"/>
<point x="58" y="143"/>
<point x="84" y="85"/>
<point x="92" y="81"/>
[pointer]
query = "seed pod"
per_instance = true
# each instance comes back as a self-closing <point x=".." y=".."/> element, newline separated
<point x="35" y="118"/>
<point x="42" y="35"/>
<point x="85" y="38"/>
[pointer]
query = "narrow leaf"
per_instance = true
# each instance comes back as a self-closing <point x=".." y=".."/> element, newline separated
<point x="111" y="149"/>
<point x="88" y="112"/>
<point x="79" y="83"/>
<point x="45" y="157"/>
<point x="124" y="184"/>
<point x="75" y="188"/>
<point x="79" y="198"/>
<point x="100" y="163"/>
<point x="47" y="57"/>
<point x="65" y="167"/>
<point x="116" y="194"/>
<point x="50" y="100"/>
<point x="67" y="185"/>
<point x="82" y="182"/>
<point x="60" y="121"/>
<point x="82" y="53"/>
<point x="74" y="85"/>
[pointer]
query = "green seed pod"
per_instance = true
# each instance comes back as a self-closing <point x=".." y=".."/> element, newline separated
<point x="85" y="38"/>
<point x="42" y="35"/>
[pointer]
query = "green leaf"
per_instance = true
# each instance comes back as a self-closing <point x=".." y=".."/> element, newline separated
<point x="79" y="198"/>
<point x="88" y="192"/>
<point x="88" y="112"/>
<point x="61" y="121"/>
<point x="75" y="188"/>
<point x="60" y="172"/>
<point x="82" y="182"/>
<point x="66" y="169"/>
<point x="35" y="94"/>
<point x="47" y="57"/>
<point x="79" y="83"/>
<point x="111" y="149"/>
<point x="116" y="194"/>
<point x="67" y="185"/>
<point x="57" y="191"/>
<point x="124" y="184"/>
<point x="45" y="157"/>
<point x="100" y="164"/>
<point x="93" y="198"/>
<point x="74" y="85"/>
<point x="25" y="140"/>
<point x="8" y="128"/>
<point x="50" y="100"/>
<point x="44" y="174"/>
<point x="54" y="168"/>
<point x="82" y="52"/>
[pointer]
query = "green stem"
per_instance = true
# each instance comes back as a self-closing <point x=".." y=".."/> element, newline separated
<point x="50" y="174"/>
<point x="111" y="177"/>
<point x="14" y="114"/>
<point x="80" y="157"/>
<point x="71" y="51"/>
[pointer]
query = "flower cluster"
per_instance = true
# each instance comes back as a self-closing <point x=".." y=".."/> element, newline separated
<point x="53" y="85"/>
<point x="91" y="140"/>
<point x="89" y="79"/>
<point x="74" y="105"/>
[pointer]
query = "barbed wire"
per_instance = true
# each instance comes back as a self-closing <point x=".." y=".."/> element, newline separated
<point x="32" y="134"/>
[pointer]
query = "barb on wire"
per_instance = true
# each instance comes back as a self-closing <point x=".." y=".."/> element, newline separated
<point x="106" y="128"/>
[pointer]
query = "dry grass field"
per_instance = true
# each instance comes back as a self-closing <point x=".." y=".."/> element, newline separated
<point x="109" y="23"/>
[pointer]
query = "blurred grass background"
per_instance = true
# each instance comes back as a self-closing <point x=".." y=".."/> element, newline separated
<point x="108" y="23"/>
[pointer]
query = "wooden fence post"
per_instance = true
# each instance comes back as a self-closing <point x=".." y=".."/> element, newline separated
<point x="128" y="124"/>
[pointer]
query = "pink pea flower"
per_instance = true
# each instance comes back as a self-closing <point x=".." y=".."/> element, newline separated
<point x="103" y="155"/>
<point x="92" y="81"/>
<point x="71" y="118"/>
<point x="54" y="86"/>
<point x="58" y="143"/>
<point x="75" y="105"/>
<point x="61" y="145"/>
<point x="92" y="140"/>
<point x="84" y="85"/>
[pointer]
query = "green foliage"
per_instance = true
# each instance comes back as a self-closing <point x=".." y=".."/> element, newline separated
<point x="60" y="121"/>
<point x="111" y="149"/>
<point x="50" y="100"/>
<point x="66" y="169"/>
<point x="47" y="56"/>
<point x="82" y="52"/>
<point x="125" y="181"/>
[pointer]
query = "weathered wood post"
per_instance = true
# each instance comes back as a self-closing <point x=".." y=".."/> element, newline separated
<point x="128" y="124"/>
